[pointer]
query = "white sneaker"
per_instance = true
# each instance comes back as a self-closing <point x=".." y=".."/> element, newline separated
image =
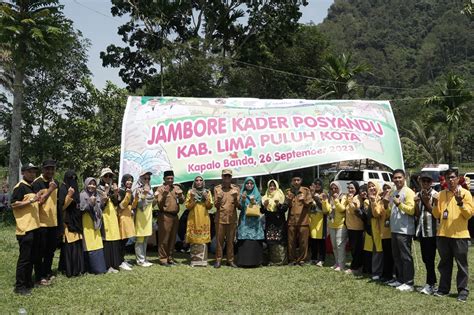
<point x="144" y="264"/>
<point x="427" y="289"/>
<point x="112" y="270"/>
<point x="394" y="284"/>
<point x="124" y="266"/>
<point x="338" y="269"/>
<point x="375" y="278"/>
<point x="319" y="264"/>
<point x="405" y="288"/>
<point x="128" y="264"/>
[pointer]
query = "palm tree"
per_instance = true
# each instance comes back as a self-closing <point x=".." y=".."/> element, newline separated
<point x="28" y="28"/>
<point x="427" y="141"/>
<point x="338" y="77"/>
<point x="451" y="103"/>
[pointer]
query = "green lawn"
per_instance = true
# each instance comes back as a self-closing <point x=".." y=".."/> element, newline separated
<point x="183" y="289"/>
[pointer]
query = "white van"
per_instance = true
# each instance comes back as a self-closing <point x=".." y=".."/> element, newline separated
<point x="471" y="178"/>
<point x="344" y="177"/>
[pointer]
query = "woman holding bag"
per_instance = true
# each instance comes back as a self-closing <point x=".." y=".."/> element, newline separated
<point x="274" y="210"/>
<point x="250" y="231"/>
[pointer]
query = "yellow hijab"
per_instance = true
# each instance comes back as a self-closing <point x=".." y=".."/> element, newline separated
<point x="277" y="194"/>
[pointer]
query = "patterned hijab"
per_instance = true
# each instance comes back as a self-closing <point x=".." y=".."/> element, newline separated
<point x="277" y="194"/>
<point x="198" y="192"/>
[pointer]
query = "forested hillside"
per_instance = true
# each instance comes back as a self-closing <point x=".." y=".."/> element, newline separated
<point x="410" y="47"/>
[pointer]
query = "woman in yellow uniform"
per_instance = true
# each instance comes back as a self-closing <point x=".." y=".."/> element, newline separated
<point x="125" y="213"/>
<point x="198" y="229"/>
<point x="71" y="260"/>
<point x="317" y="224"/>
<point x="143" y="217"/>
<point x="112" y="242"/>
<point x="91" y="206"/>
<point x="337" y="228"/>
<point x="377" y="224"/>
<point x="355" y="228"/>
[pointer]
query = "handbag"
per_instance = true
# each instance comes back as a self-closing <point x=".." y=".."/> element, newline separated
<point x="253" y="210"/>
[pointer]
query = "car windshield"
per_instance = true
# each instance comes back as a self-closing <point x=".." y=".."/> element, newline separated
<point x="471" y="176"/>
<point x="350" y="175"/>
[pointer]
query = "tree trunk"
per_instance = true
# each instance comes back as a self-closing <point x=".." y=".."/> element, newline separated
<point x="15" y="140"/>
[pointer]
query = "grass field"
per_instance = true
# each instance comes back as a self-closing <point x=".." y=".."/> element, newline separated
<point x="183" y="289"/>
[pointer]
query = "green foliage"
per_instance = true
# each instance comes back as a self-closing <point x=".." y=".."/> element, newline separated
<point x="338" y="78"/>
<point x="90" y="131"/>
<point x="203" y="44"/>
<point x="452" y="105"/>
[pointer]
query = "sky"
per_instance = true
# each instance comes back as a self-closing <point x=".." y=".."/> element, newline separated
<point x="94" y="20"/>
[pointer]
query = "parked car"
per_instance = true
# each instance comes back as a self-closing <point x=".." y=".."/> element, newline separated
<point x="471" y="177"/>
<point x="329" y="171"/>
<point x="344" y="177"/>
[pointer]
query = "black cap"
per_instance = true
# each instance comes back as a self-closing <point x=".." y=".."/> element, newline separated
<point x="426" y="175"/>
<point x="168" y="173"/>
<point x="29" y="166"/>
<point x="49" y="163"/>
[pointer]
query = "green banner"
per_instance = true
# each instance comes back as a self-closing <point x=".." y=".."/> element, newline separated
<point x="202" y="136"/>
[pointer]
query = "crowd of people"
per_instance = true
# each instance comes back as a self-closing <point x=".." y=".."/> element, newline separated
<point x="94" y="225"/>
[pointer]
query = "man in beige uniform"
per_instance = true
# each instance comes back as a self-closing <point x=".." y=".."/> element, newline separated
<point x="169" y="197"/>
<point x="299" y="200"/>
<point x="226" y="201"/>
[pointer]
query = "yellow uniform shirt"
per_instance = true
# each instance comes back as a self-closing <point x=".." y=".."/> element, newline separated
<point x="26" y="217"/>
<point x="454" y="223"/>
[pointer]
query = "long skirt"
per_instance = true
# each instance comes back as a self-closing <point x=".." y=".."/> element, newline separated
<point x="250" y="253"/>
<point x="113" y="254"/>
<point x="277" y="254"/>
<point x="199" y="255"/>
<point x="71" y="259"/>
<point x="95" y="261"/>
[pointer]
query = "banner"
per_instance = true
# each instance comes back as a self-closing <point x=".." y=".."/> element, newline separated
<point x="202" y="136"/>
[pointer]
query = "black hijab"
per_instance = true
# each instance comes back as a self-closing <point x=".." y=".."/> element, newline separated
<point x="123" y="189"/>
<point x="72" y="214"/>
<point x="356" y="185"/>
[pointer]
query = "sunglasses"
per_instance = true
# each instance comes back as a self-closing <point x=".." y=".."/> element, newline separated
<point x="226" y="175"/>
<point x="108" y="176"/>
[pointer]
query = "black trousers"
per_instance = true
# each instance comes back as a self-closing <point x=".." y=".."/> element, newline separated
<point x="448" y="249"/>
<point x="402" y="257"/>
<point x="387" y="259"/>
<point x="28" y="255"/>
<point x="428" y="254"/>
<point x="356" y="239"/>
<point x="48" y="241"/>
<point x="318" y="249"/>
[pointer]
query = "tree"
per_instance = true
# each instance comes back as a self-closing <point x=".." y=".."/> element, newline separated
<point x="30" y="29"/>
<point x="172" y="36"/>
<point x="452" y="105"/>
<point x="427" y="142"/>
<point x="338" y="78"/>
<point x="90" y="131"/>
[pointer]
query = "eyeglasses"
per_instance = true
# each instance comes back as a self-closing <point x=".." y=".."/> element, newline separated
<point x="108" y="176"/>
<point x="226" y="175"/>
<point x="452" y="177"/>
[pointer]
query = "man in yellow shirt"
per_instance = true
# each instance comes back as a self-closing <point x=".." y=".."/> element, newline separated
<point x="453" y="209"/>
<point x="26" y="212"/>
<point x="50" y="219"/>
